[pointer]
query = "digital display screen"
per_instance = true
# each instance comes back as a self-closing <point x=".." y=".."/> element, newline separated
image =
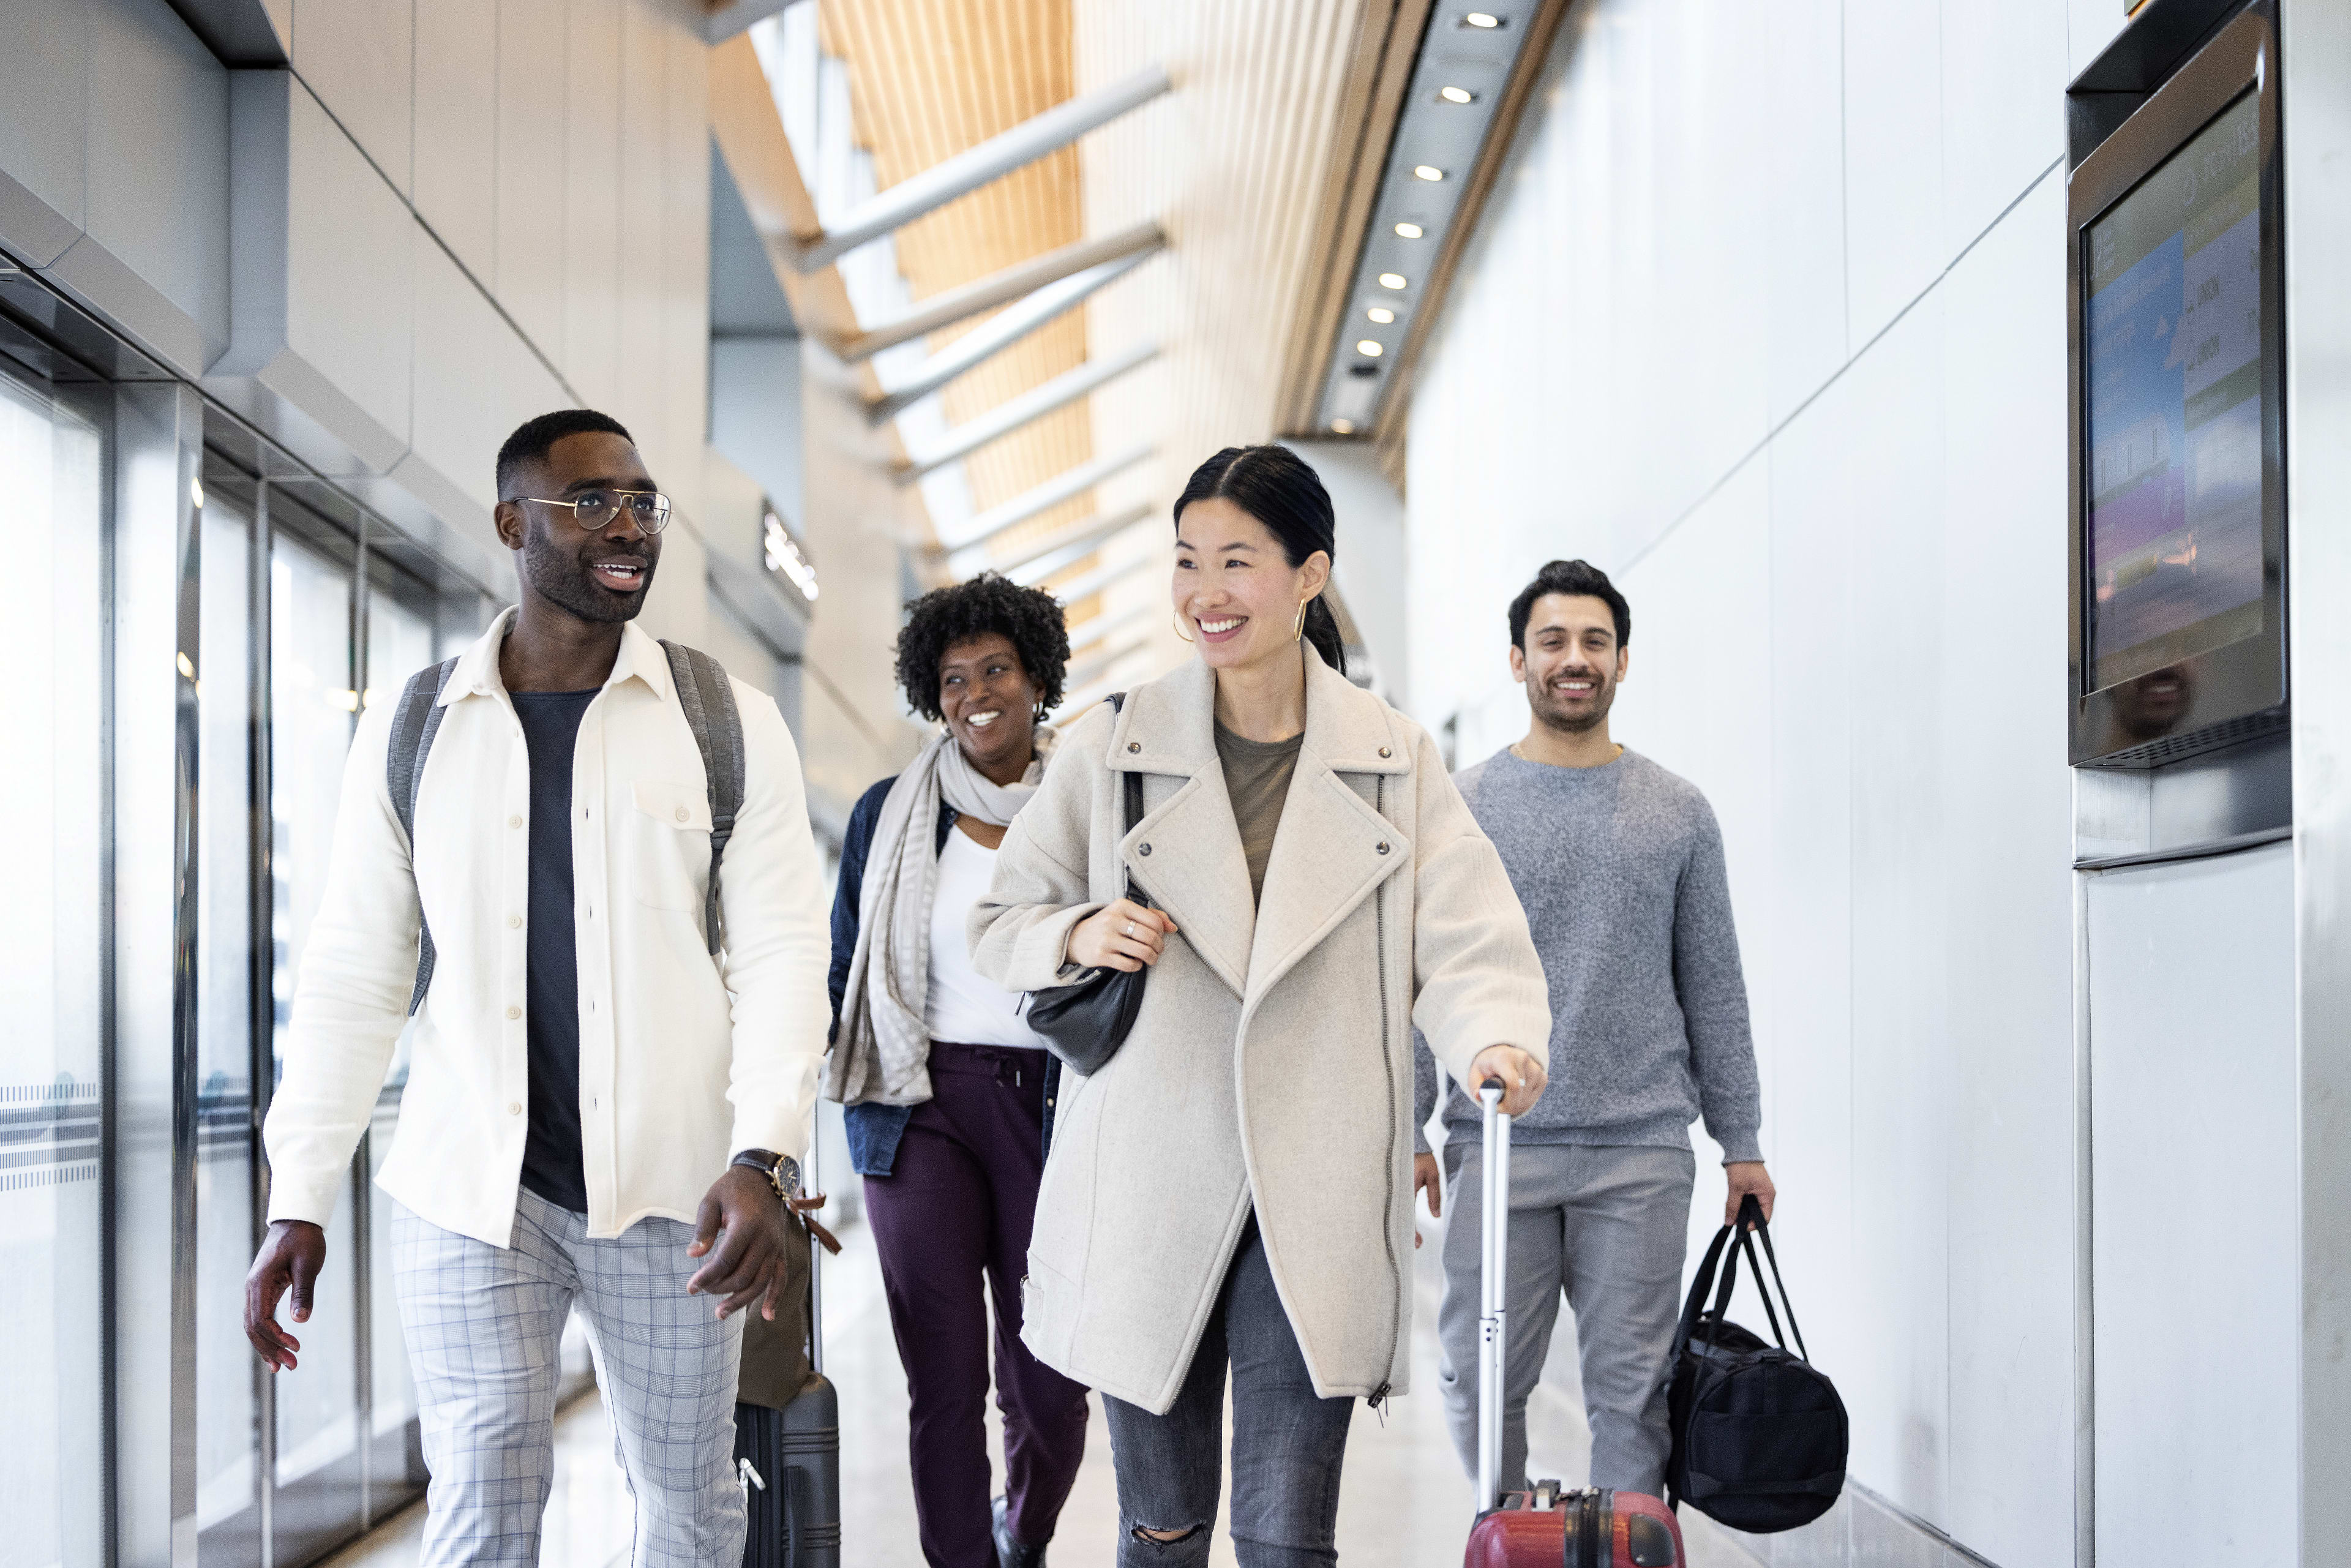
<point x="2174" y="422"/>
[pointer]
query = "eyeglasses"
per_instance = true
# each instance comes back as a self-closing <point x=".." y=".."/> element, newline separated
<point x="593" y="509"/>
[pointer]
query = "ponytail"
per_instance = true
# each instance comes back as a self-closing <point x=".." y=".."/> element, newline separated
<point x="1322" y="631"/>
<point x="1279" y="489"/>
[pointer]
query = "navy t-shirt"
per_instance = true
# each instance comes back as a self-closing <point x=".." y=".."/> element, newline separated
<point x="551" y="1165"/>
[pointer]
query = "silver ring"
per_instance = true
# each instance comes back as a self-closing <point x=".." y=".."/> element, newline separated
<point x="1130" y="928"/>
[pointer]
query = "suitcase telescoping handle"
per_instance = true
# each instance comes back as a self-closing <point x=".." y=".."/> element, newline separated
<point x="1493" y="1292"/>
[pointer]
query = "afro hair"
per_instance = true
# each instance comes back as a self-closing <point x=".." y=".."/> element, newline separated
<point x="1029" y="617"/>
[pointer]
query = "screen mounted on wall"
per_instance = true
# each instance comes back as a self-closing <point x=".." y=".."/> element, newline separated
<point x="2175" y="379"/>
<point x="2177" y="450"/>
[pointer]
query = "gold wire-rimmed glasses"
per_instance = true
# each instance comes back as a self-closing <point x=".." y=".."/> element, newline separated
<point x="593" y="509"/>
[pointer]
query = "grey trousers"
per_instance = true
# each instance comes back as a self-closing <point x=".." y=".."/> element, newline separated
<point x="482" y="1325"/>
<point x="1610" y="1226"/>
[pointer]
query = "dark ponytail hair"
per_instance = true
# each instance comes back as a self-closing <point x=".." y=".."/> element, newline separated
<point x="1276" y="486"/>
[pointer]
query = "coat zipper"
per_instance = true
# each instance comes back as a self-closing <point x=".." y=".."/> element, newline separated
<point x="1378" y="1396"/>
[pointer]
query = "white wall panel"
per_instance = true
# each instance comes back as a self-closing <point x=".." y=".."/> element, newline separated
<point x="1901" y="854"/>
<point x="1893" y="160"/>
<point x="457" y="83"/>
<point x="2196" y="1108"/>
<point x="1803" y="188"/>
<point x="2007" y="815"/>
<point x="591" y="185"/>
<point x="1806" y="941"/>
<point x="44" y="62"/>
<point x="533" y="140"/>
<point x="637" y="111"/>
<point x="2003" y="93"/>
<point x="475" y="380"/>
<point x="155" y="251"/>
<point x="350" y="279"/>
<point x="685" y="284"/>
<point x="359" y="58"/>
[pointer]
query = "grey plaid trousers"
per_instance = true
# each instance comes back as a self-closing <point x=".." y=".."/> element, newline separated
<point x="482" y="1325"/>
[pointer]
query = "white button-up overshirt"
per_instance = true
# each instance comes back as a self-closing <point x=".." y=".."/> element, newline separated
<point x="684" y="1058"/>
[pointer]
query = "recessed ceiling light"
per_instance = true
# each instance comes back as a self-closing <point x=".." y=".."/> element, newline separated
<point x="1370" y="348"/>
<point x="1343" y="427"/>
<point x="1393" y="281"/>
<point x="1409" y="231"/>
<point x="1381" y="314"/>
<point x="1481" y="19"/>
<point x="1427" y="171"/>
<point x="1457" y="95"/>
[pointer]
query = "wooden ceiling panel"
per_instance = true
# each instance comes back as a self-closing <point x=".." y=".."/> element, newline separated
<point x="928" y="79"/>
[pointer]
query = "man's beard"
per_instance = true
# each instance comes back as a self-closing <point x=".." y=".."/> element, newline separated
<point x="563" y="580"/>
<point x="1603" y="692"/>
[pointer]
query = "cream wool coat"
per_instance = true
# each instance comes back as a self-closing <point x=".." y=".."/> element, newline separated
<point x="1272" y="1057"/>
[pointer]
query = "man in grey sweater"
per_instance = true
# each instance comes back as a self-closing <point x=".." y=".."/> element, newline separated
<point x="1619" y="864"/>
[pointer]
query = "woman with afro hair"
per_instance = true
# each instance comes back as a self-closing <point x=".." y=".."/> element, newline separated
<point x="946" y="1091"/>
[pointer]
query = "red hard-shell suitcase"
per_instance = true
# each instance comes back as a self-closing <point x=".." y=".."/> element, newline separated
<point x="1589" y="1527"/>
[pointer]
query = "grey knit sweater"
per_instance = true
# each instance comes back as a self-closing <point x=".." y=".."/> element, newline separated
<point x="1620" y="869"/>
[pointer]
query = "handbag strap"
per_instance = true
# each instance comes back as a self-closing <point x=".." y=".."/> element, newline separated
<point x="1134" y="814"/>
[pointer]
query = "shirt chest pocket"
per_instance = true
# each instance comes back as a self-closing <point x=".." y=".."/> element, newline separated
<point x="669" y="848"/>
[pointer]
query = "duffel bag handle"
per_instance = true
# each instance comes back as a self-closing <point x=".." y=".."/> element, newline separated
<point x="1751" y="1208"/>
<point x="1750" y="1224"/>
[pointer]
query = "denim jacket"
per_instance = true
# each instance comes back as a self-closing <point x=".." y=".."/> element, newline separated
<point x="874" y="1130"/>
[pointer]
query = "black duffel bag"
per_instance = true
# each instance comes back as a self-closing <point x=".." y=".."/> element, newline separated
<point x="1759" y="1434"/>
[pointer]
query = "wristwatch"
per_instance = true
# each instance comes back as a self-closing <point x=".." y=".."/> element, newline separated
<point x="782" y="1171"/>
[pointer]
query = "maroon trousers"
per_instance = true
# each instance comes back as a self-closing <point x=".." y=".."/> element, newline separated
<point x="951" y="1224"/>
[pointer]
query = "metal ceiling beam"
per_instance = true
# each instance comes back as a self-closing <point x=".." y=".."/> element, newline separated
<point x="1033" y="405"/>
<point x="722" y="20"/>
<point x="1072" y="545"/>
<point x="1051" y="493"/>
<point x="969" y="169"/>
<point x="993" y="337"/>
<point x="973" y="559"/>
<point x="1102" y="576"/>
<point x="1020" y="278"/>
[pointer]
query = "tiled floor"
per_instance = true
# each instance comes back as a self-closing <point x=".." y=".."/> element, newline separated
<point x="1404" y="1503"/>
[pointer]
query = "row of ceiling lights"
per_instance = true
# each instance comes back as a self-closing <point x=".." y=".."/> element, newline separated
<point x="1396" y="282"/>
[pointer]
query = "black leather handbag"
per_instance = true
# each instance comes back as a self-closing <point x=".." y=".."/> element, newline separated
<point x="1085" y="1021"/>
<point x="1759" y="1432"/>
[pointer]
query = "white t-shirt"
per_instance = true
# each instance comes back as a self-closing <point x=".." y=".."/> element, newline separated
<point x="963" y="1004"/>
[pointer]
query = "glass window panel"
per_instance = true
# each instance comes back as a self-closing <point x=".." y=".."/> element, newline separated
<point x="227" y="1372"/>
<point x="399" y="642"/>
<point x="312" y="700"/>
<point x="52" y="937"/>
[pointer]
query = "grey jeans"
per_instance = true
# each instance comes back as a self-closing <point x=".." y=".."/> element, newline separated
<point x="482" y="1325"/>
<point x="1610" y="1226"/>
<point x="1288" y="1442"/>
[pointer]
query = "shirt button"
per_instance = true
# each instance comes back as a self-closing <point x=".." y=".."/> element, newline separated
<point x="514" y="1107"/>
<point x="514" y="822"/>
<point x="514" y="922"/>
<point x="683" y="813"/>
<point x="514" y="1013"/>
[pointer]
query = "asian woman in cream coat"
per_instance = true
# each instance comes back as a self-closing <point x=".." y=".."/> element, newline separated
<point x="1234" y="1187"/>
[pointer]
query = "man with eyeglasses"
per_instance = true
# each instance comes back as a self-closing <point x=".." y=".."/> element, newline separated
<point x="599" y="1110"/>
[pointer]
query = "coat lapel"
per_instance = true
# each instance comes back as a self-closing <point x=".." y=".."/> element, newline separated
<point x="1333" y="848"/>
<point x="1194" y="869"/>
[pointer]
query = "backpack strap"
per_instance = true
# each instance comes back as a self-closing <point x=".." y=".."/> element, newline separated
<point x="414" y="722"/>
<point x="709" y="698"/>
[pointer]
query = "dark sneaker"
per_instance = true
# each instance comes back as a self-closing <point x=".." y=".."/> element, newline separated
<point x="1010" y="1553"/>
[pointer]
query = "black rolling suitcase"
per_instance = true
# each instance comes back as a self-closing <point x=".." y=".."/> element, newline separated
<point x="788" y="1435"/>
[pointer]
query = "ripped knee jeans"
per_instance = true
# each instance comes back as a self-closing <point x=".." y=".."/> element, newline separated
<point x="1288" y="1444"/>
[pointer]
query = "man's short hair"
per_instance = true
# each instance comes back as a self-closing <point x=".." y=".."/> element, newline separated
<point x="1578" y="578"/>
<point x="535" y="438"/>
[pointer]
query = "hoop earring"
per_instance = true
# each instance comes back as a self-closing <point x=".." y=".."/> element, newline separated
<point x="1300" y="630"/>
<point x="1179" y="627"/>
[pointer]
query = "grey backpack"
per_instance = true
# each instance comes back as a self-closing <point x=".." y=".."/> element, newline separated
<point x="703" y="691"/>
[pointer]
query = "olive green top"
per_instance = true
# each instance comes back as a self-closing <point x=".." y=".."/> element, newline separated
<point x="1257" y="778"/>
